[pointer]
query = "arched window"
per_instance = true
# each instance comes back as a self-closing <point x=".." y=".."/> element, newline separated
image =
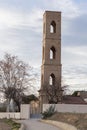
<point x="52" y="79"/>
<point x="52" y="53"/>
<point x="53" y="27"/>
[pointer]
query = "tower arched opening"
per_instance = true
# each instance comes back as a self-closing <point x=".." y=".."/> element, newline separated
<point x="52" y="79"/>
<point x="53" y="27"/>
<point x="52" y="53"/>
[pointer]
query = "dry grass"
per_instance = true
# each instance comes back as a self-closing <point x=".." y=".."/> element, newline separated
<point x="78" y="120"/>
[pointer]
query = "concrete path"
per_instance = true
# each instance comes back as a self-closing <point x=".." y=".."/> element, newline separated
<point x="34" y="124"/>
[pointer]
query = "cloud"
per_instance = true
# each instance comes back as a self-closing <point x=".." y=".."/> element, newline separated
<point x="77" y="50"/>
<point x="75" y="76"/>
<point x="9" y="19"/>
<point x="20" y="34"/>
<point x="69" y="8"/>
<point x="74" y="55"/>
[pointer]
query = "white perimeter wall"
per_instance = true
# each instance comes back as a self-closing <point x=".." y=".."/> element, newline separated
<point x="23" y="114"/>
<point x="72" y="108"/>
<point x="25" y="111"/>
<point x="8" y="115"/>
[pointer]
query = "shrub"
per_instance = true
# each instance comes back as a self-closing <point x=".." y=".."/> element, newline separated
<point x="49" y="112"/>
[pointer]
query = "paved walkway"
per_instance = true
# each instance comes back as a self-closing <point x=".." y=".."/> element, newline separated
<point x="4" y="126"/>
<point x="34" y="124"/>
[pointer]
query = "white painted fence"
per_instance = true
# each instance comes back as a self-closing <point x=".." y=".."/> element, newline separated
<point x="72" y="108"/>
<point x="8" y="115"/>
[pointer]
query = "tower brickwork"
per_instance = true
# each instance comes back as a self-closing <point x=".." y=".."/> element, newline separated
<point x="51" y="52"/>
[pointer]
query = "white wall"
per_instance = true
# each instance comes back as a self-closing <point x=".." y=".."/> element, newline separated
<point x="24" y="114"/>
<point x="25" y="111"/>
<point x="72" y="108"/>
<point x="9" y="115"/>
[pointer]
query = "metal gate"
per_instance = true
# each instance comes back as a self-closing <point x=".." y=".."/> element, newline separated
<point x="35" y="109"/>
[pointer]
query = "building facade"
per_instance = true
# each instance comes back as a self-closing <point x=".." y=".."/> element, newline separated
<point x="51" y="54"/>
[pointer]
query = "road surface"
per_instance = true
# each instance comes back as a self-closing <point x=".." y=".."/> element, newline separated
<point x="34" y="124"/>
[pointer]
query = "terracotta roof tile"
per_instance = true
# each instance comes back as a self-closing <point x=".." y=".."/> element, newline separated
<point x="68" y="99"/>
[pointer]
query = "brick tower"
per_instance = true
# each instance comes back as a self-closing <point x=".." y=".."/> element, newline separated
<point x="51" y="53"/>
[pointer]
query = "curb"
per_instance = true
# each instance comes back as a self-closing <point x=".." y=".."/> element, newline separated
<point x="63" y="126"/>
<point x="22" y="127"/>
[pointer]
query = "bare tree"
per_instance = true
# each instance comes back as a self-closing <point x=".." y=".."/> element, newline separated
<point x="55" y="93"/>
<point x="15" y="76"/>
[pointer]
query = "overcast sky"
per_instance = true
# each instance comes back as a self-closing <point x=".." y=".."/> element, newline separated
<point x="21" y="35"/>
